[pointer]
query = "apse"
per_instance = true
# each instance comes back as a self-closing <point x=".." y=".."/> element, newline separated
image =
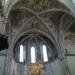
<point x="30" y="48"/>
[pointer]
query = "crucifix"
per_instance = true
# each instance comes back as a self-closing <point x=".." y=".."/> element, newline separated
<point x="36" y="68"/>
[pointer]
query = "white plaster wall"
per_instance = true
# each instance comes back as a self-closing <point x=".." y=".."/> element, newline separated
<point x="2" y="65"/>
<point x="57" y="67"/>
<point x="69" y="45"/>
<point x="71" y="64"/>
<point x="13" y="69"/>
<point x="2" y="26"/>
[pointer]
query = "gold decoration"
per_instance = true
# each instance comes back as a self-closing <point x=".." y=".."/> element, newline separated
<point x="36" y="68"/>
<point x="39" y="5"/>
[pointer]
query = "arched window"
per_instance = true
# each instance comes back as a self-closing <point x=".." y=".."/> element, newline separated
<point x="33" y="57"/>
<point x="44" y="50"/>
<point x="21" y="54"/>
<point x="32" y="47"/>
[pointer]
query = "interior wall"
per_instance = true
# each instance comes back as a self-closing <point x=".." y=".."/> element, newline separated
<point x="69" y="44"/>
<point x="69" y="47"/>
<point x="54" y="68"/>
<point x="71" y="64"/>
<point x="2" y="25"/>
<point x="2" y="65"/>
<point x="13" y="69"/>
<point x="57" y="67"/>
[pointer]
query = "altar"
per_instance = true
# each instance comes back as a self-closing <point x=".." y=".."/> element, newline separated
<point x="37" y="68"/>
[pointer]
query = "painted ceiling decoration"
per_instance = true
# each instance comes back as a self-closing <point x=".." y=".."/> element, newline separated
<point x="45" y="15"/>
<point x="48" y="15"/>
<point x="47" y="12"/>
<point x="51" y="18"/>
<point x="39" y="5"/>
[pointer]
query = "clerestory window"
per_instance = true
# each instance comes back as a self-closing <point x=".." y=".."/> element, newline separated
<point x="21" y="54"/>
<point x="44" y="51"/>
<point x="33" y="57"/>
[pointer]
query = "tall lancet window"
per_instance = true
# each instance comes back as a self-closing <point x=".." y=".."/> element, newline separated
<point x="33" y="47"/>
<point x="45" y="56"/>
<point x="21" y="54"/>
<point x="33" y="57"/>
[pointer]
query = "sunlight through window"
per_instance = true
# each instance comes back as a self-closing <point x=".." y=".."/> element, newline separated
<point x="33" y="55"/>
<point x="45" y="57"/>
<point x="21" y="53"/>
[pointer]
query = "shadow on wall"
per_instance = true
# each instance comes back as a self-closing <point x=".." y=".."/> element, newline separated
<point x="3" y="42"/>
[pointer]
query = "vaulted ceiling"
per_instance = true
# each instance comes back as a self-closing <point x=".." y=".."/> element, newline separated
<point x="56" y="15"/>
<point x="50" y="11"/>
